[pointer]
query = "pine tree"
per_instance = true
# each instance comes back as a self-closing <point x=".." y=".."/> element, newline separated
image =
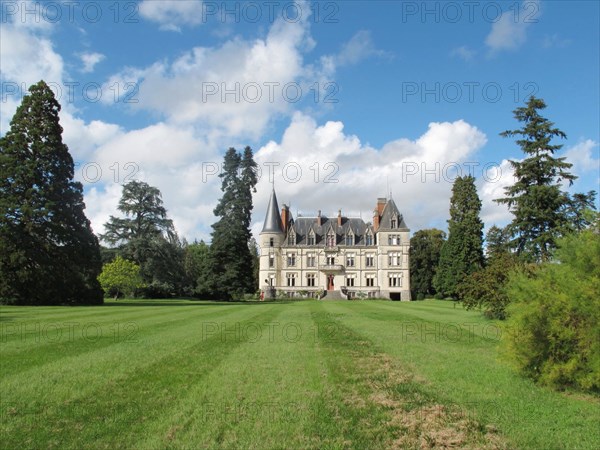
<point x="425" y="248"/>
<point x="462" y="253"/>
<point x="536" y="199"/>
<point x="230" y="256"/>
<point x="48" y="253"/>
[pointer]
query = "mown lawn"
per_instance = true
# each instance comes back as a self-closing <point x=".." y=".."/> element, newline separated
<point x="190" y="374"/>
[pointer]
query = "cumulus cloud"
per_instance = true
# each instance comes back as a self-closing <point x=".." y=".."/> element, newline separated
<point x="233" y="89"/>
<point x="509" y="32"/>
<point x="320" y="167"/>
<point x="90" y="60"/>
<point x="172" y="14"/>
<point x="582" y="155"/>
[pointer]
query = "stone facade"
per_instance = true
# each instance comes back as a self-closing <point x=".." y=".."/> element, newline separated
<point x="337" y="257"/>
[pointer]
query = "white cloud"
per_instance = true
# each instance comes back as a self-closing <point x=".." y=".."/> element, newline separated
<point x="357" y="49"/>
<point x="463" y="52"/>
<point x="172" y="14"/>
<point x="233" y="89"/>
<point x="509" y="32"/>
<point x="90" y="60"/>
<point x="321" y="167"/>
<point x="491" y="187"/>
<point x="28" y="57"/>
<point x="581" y="156"/>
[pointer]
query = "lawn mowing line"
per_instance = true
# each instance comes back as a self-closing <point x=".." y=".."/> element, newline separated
<point x="56" y="371"/>
<point x="36" y="331"/>
<point x="411" y="325"/>
<point x="140" y="399"/>
<point x="407" y="413"/>
<point x="488" y="389"/>
<point x="71" y="312"/>
<point x="22" y="360"/>
<point x="248" y="401"/>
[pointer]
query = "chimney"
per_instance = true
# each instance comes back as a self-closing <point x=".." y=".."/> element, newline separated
<point x="380" y="205"/>
<point x="375" y="220"/>
<point x="319" y="222"/>
<point x="285" y="217"/>
<point x="339" y="217"/>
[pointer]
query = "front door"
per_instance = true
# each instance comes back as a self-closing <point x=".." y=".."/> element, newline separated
<point x="330" y="282"/>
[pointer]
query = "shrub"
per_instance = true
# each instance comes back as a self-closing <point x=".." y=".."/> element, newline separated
<point x="553" y="332"/>
<point x="486" y="288"/>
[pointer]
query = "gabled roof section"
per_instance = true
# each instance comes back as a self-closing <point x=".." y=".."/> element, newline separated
<point x="390" y="211"/>
<point x="273" y="222"/>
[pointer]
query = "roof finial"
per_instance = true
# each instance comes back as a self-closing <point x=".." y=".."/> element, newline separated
<point x="388" y="183"/>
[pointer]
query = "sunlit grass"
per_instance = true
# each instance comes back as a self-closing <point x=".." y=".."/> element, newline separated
<point x="189" y="374"/>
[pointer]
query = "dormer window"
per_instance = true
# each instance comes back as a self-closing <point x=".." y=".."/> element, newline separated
<point x="292" y="238"/>
<point x="394" y="222"/>
<point x="311" y="238"/>
<point x="369" y="239"/>
<point x="330" y="238"/>
<point x="349" y="238"/>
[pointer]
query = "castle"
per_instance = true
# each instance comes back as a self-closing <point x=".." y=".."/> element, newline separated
<point x="338" y="258"/>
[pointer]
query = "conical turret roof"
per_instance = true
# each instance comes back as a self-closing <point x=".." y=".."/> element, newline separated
<point x="273" y="218"/>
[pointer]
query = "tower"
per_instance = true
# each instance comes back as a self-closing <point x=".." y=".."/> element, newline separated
<point x="271" y="238"/>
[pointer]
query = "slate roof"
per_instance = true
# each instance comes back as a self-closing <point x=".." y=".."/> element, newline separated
<point x="390" y="211"/>
<point x="273" y="222"/>
<point x="304" y="225"/>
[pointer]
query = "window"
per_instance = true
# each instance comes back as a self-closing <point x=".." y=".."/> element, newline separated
<point x="394" y="221"/>
<point x="349" y="239"/>
<point x="330" y="239"/>
<point x="311" y="239"/>
<point x="394" y="258"/>
<point x="310" y="260"/>
<point x="350" y="280"/>
<point x="331" y="260"/>
<point x="370" y="280"/>
<point x="370" y="260"/>
<point x="369" y="239"/>
<point x="271" y="242"/>
<point x="395" y="279"/>
<point x="291" y="260"/>
<point x="393" y="239"/>
<point x="291" y="279"/>
<point x="310" y="280"/>
<point x="350" y="260"/>
<point x="271" y="261"/>
<point x="292" y="238"/>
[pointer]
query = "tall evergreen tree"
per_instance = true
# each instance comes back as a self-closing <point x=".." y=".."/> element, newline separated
<point x="462" y="253"/>
<point x="48" y="253"/>
<point x="230" y="256"/>
<point x="536" y="199"/>
<point x="146" y="235"/>
<point x="425" y="248"/>
<point x="496" y="242"/>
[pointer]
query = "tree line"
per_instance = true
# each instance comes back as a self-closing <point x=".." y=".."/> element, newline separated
<point x="540" y="273"/>
<point x="50" y="256"/>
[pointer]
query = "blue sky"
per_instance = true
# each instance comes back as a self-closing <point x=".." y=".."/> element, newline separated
<point x="344" y="101"/>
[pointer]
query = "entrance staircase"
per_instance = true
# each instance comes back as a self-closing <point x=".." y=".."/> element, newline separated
<point x="334" y="295"/>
